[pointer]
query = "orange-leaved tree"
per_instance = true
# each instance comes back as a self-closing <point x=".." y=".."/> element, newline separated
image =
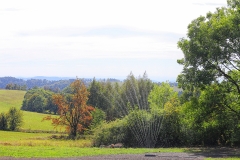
<point x="74" y="113"/>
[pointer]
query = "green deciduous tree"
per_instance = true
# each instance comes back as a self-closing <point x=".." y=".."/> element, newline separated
<point x="233" y="3"/>
<point x="160" y="95"/>
<point x="211" y="49"/>
<point x="210" y="76"/>
<point x="212" y="118"/>
<point x="39" y="100"/>
<point x="14" y="118"/>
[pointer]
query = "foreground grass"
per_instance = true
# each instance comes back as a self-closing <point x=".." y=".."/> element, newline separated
<point x="68" y="152"/>
<point x="41" y="145"/>
<point x="18" y="144"/>
<point x="62" y="151"/>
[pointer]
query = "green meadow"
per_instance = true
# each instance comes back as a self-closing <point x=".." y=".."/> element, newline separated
<point x="31" y="121"/>
<point x="10" y="98"/>
<point x="19" y="144"/>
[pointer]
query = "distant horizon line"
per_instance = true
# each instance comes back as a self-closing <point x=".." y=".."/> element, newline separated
<point x="70" y="77"/>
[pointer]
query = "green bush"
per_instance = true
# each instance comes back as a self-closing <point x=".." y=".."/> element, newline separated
<point x="110" y="133"/>
<point x="140" y="128"/>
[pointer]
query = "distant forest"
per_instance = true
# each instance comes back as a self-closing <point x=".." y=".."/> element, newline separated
<point x="13" y="83"/>
<point x="54" y="85"/>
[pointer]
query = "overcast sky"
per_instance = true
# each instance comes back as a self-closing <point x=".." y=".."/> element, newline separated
<point x="95" y="38"/>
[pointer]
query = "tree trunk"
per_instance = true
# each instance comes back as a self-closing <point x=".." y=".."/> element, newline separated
<point x="73" y="132"/>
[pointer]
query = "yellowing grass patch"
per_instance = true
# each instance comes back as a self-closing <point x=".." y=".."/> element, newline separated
<point x="8" y="138"/>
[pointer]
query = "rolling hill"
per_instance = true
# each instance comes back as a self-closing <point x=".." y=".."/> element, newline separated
<point x="32" y="121"/>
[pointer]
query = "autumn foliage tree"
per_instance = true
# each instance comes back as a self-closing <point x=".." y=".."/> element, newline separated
<point x="73" y="111"/>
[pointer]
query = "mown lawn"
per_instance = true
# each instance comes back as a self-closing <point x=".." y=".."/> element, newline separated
<point x="62" y="151"/>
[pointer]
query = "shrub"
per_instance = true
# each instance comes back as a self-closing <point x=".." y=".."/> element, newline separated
<point x="140" y="131"/>
<point x="135" y="130"/>
<point x="110" y="133"/>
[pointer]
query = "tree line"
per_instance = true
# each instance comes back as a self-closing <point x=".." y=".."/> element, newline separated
<point x="12" y="83"/>
<point x="12" y="86"/>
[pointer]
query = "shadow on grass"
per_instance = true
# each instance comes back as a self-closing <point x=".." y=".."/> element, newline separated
<point x="214" y="152"/>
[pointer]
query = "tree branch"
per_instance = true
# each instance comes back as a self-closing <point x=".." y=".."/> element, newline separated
<point x="229" y="78"/>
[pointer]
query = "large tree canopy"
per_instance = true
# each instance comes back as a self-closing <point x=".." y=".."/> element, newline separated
<point x="74" y="113"/>
<point x="211" y="49"/>
<point x="211" y="77"/>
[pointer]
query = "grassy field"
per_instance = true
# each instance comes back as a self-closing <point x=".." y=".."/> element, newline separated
<point x="8" y="138"/>
<point x="19" y="144"/>
<point x="10" y="98"/>
<point x="31" y="120"/>
<point x="62" y="151"/>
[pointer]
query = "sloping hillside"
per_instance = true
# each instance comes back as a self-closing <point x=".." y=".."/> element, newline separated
<point x="10" y="98"/>
<point x="32" y="121"/>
